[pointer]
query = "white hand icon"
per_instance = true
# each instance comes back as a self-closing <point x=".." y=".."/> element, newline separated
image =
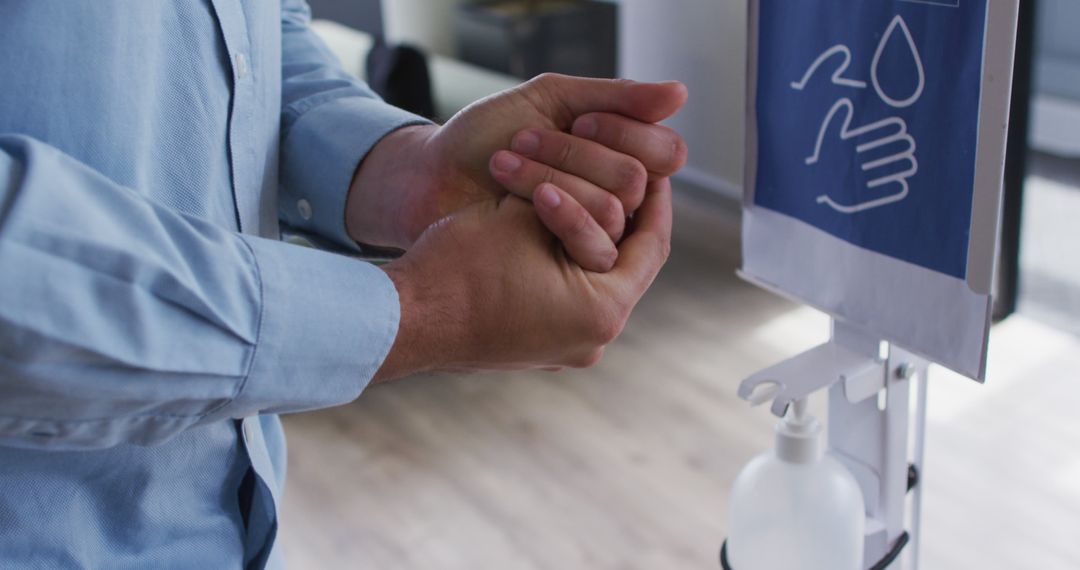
<point x="889" y="131"/>
<point x="837" y="76"/>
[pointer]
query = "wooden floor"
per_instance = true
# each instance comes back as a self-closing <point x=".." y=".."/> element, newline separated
<point x="628" y="465"/>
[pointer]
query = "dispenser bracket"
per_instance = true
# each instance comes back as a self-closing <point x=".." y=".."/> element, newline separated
<point x="844" y="359"/>
<point x="871" y="419"/>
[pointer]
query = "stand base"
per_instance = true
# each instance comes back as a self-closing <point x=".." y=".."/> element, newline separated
<point x="884" y="563"/>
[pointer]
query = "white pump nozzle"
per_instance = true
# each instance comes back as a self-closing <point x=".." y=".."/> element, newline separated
<point x="798" y="435"/>
<point x="798" y="409"/>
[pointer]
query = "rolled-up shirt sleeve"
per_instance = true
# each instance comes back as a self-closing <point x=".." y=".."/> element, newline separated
<point x="124" y="321"/>
<point x="330" y="120"/>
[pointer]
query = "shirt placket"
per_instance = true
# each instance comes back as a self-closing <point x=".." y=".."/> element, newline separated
<point x="245" y="187"/>
<point x="242" y="114"/>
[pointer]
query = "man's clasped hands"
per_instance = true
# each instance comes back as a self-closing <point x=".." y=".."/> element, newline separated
<point x="533" y="222"/>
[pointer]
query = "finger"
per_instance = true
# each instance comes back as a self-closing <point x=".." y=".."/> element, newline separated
<point x="522" y="176"/>
<point x="644" y="251"/>
<point x="585" y="241"/>
<point x="564" y="98"/>
<point x="659" y="148"/>
<point x="609" y="170"/>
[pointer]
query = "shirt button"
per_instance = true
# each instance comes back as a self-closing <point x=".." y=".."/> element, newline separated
<point x="241" y="66"/>
<point x="304" y="207"/>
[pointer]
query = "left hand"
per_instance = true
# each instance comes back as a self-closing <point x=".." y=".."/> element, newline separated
<point x="463" y="307"/>
<point x="593" y="138"/>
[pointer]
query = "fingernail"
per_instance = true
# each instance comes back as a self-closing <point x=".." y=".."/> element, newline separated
<point x="526" y="142"/>
<point x="547" y="196"/>
<point x="585" y="127"/>
<point x="506" y="162"/>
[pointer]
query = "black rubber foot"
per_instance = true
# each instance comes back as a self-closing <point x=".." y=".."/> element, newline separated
<point x="889" y="558"/>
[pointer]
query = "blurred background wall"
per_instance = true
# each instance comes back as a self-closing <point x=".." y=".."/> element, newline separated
<point x="703" y="44"/>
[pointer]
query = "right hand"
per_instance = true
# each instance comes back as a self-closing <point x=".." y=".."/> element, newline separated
<point x="594" y="138"/>
<point x="489" y="288"/>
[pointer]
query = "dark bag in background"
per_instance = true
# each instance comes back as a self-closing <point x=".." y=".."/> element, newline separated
<point x="399" y="74"/>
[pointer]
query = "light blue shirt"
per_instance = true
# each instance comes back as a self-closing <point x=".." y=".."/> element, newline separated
<point x="147" y="151"/>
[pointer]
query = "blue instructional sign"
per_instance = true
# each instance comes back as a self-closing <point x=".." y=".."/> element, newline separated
<point x="867" y="121"/>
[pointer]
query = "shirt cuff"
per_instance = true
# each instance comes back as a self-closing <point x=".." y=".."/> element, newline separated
<point x="327" y="323"/>
<point x="320" y="153"/>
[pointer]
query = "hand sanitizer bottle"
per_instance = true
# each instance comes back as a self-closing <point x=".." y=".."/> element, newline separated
<point x="795" y="508"/>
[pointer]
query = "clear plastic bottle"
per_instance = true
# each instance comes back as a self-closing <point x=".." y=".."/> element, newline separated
<point x="795" y="508"/>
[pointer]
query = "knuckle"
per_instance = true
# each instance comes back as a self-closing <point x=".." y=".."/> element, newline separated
<point x="621" y="137"/>
<point x="679" y="153"/>
<point x="633" y="177"/>
<point x="578" y="225"/>
<point x="663" y="249"/>
<point x="548" y="77"/>
<point x="586" y="360"/>
<point x="610" y="331"/>
<point x="608" y="325"/>
<point x="565" y="155"/>
<point x="589" y="360"/>
<point x="545" y="79"/>
<point x="548" y="176"/>
<point x="546" y="92"/>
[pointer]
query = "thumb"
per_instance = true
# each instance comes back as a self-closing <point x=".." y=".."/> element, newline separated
<point x="564" y="98"/>
<point x="643" y="253"/>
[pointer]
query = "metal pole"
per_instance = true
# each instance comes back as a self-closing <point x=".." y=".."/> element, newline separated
<point x="1008" y="275"/>
<point x="918" y="463"/>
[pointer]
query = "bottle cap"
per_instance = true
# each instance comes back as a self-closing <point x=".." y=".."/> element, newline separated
<point x="798" y="435"/>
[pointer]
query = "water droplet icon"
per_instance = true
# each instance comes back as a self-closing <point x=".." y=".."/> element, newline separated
<point x="896" y="25"/>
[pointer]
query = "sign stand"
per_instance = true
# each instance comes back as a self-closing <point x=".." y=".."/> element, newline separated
<point x="875" y="150"/>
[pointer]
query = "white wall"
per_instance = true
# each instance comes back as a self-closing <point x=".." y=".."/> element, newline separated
<point x="703" y="44"/>
<point x="425" y="23"/>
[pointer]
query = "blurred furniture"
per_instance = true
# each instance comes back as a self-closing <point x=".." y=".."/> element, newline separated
<point x="363" y="15"/>
<point x="455" y="84"/>
<point x="528" y="37"/>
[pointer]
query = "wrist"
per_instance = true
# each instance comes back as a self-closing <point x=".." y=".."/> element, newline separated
<point x="426" y="338"/>
<point x="403" y="358"/>
<point x="389" y="191"/>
